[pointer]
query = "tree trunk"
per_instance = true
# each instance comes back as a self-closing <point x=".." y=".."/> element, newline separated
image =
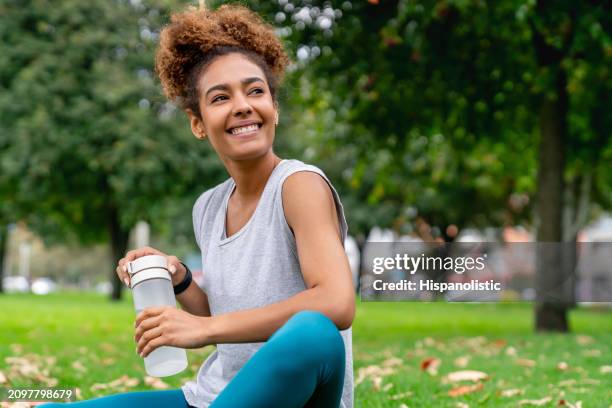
<point x="3" y="244"/>
<point x="119" y="242"/>
<point x="551" y="282"/>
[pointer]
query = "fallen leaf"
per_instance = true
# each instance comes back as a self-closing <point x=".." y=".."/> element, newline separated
<point x="467" y="375"/>
<point x="431" y="365"/>
<point x="77" y="365"/>
<point x="107" y="361"/>
<point x="605" y="369"/>
<point x="403" y="406"/>
<point x="512" y="392"/>
<point x="156" y="383"/>
<point x="462" y="405"/>
<point x="511" y="351"/>
<point x="371" y="372"/>
<point x="462" y="361"/>
<point x="393" y="361"/>
<point x="537" y="403"/>
<point x="465" y="389"/>
<point x="387" y="387"/>
<point x="2" y="378"/>
<point x="565" y="403"/>
<point x="591" y="353"/>
<point x="562" y="366"/>
<point x="525" y="362"/>
<point x="584" y="340"/>
<point x="401" y="395"/>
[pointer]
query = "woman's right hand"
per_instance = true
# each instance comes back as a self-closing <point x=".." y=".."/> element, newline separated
<point x="176" y="269"/>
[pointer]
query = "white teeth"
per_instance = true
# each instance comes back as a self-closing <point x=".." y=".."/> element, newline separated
<point x="245" y="129"/>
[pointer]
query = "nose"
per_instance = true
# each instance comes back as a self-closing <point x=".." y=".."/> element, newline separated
<point x="241" y="106"/>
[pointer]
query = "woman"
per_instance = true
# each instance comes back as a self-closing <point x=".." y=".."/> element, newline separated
<point x="277" y="284"/>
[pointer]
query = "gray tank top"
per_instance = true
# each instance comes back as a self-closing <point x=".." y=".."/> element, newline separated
<point x="245" y="271"/>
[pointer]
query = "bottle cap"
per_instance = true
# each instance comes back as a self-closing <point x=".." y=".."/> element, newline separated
<point x="148" y="267"/>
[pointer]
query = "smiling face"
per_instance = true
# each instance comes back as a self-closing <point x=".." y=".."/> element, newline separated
<point x="237" y="109"/>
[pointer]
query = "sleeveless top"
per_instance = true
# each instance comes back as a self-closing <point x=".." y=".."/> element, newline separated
<point x="246" y="271"/>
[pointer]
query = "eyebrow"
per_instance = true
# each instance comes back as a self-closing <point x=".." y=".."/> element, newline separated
<point x="224" y="87"/>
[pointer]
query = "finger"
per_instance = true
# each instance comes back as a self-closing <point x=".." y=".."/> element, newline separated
<point x="145" y="325"/>
<point x="153" y="344"/>
<point x="173" y="264"/>
<point x="140" y="252"/>
<point x="124" y="277"/>
<point x="147" y="337"/>
<point x="149" y="312"/>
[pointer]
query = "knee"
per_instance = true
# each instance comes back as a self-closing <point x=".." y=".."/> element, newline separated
<point x="313" y="331"/>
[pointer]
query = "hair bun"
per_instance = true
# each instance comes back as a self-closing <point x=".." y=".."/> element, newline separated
<point x="194" y="32"/>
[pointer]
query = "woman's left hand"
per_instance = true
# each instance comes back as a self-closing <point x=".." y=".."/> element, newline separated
<point x="169" y="326"/>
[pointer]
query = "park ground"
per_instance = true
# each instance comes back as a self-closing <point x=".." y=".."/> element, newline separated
<point x="405" y="354"/>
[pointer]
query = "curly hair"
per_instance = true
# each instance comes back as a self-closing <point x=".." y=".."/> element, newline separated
<point x="194" y="38"/>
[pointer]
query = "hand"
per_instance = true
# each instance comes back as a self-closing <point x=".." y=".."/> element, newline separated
<point x="177" y="270"/>
<point x="169" y="326"/>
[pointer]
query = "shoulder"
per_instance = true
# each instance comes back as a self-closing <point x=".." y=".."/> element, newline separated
<point x="307" y="197"/>
<point x="209" y="196"/>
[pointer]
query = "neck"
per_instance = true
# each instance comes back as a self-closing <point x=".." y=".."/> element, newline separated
<point x="251" y="176"/>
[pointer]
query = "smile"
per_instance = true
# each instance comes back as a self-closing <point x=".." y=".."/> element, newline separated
<point x="245" y="130"/>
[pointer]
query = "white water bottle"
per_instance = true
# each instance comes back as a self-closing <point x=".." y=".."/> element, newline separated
<point x="152" y="286"/>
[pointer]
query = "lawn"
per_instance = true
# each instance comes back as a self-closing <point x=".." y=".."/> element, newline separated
<point x="403" y="353"/>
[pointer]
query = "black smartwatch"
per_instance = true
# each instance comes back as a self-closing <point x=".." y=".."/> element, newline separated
<point x="181" y="287"/>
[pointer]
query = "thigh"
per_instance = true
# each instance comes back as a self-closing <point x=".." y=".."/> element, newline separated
<point x="302" y="364"/>
<point x="138" y="399"/>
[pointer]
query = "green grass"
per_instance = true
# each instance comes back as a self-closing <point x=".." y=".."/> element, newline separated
<point x="83" y="340"/>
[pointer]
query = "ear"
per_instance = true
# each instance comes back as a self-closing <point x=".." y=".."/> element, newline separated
<point x="277" y="112"/>
<point x="197" y="125"/>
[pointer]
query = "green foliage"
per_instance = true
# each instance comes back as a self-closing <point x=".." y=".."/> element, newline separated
<point x="85" y="131"/>
<point x="438" y="102"/>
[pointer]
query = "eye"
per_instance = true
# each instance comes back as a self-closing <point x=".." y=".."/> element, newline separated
<point x="257" y="89"/>
<point x="217" y="98"/>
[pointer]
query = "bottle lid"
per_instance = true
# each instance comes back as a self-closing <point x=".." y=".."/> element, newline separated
<point x="148" y="267"/>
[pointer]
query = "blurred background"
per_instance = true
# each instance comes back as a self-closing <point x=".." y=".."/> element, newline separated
<point x="433" y="119"/>
<point x="448" y="120"/>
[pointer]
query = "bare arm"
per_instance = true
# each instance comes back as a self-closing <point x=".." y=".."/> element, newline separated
<point x="193" y="300"/>
<point x="311" y="214"/>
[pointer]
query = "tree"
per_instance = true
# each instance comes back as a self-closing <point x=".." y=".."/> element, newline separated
<point x="89" y="145"/>
<point x="455" y="109"/>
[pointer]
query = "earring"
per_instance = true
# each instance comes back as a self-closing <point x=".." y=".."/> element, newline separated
<point x="276" y="119"/>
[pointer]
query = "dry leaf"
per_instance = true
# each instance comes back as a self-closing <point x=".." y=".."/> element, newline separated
<point x="605" y="369"/>
<point x="584" y="340"/>
<point x="511" y="351"/>
<point x="465" y="389"/>
<point x="431" y="365"/>
<point x="401" y="395"/>
<point x="371" y="372"/>
<point x="562" y="366"/>
<point x="77" y="365"/>
<point x="392" y="361"/>
<point x="466" y="375"/>
<point x="2" y="378"/>
<point x="591" y="353"/>
<point x="565" y="403"/>
<point x="537" y="403"/>
<point x="156" y="383"/>
<point x="462" y="361"/>
<point x="462" y="405"/>
<point x="525" y="362"/>
<point x="403" y="406"/>
<point x="387" y="387"/>
<point x="512" y="392"/>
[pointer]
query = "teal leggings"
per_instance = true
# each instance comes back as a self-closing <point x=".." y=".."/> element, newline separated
<point x="301" y="365"/>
